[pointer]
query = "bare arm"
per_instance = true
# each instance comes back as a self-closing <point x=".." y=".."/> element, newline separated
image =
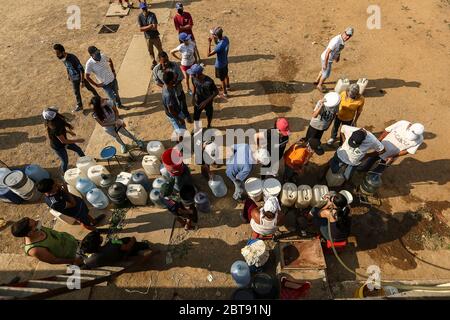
<point x="383" y="135"/>
<point x="91" y="81"/>
<point x="112" y="66"/>
<point x="317" y="112"/>
<point x="42" y="254"/>
<point x="173" y="53"/>
<point x="210" y="52"/>
<point x="64" y="140"/>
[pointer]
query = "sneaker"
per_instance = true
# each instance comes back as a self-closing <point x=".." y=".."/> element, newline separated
<point x="331" y="141"/>
<point x="77" y="108"/>
<point x="123" y="149"/>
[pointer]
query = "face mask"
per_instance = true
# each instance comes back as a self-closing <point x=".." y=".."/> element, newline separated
<point x="61" y="58"/>
<point x="97" y="56"/>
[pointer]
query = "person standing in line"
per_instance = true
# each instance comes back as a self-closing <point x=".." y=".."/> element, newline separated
<point x="350" y="108"/>
<point x="103" y="68"/>
<point x="75" y="73"/>
<point x="107" y="115"/>
<point x="330" y="54"/>
<point x="158" y="74"/>
<point x="322" y="117"/>
<point x="171" y="104"/>
<point x="187" y="51"/>
<point x="184" y="23"/>
<point x="148" y="23"/>
<point x="205" y="90"/>
<point x="57" y="130"/>
<point x="399" y="139"/>
<point x="221" y="50"/>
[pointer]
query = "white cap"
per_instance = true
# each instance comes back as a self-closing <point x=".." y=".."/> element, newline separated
<point x="50" y="113"/>
<point x="415" y="131"/>
<point x="263" y="156"/>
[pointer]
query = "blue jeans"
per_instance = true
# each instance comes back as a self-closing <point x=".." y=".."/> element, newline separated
<point x="112" y="91"/>
<point x="62" y="154"/>
<point x="76" y="85"/>
<point x="336" y="164"/>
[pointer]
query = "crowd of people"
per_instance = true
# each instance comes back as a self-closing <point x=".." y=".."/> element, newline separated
<point x="358" y="149"/>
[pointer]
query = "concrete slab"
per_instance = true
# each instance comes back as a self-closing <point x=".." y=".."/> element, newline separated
<point x="12" y="265"/>
<point x="116" y="10"/>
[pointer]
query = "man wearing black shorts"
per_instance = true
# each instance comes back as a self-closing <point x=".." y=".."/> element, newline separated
<point x="205" y="91"/>
<point x="221" y="49"/>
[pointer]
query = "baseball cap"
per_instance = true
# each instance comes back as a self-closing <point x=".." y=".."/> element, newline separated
<point x="142" y="5"/>
<point x="415" y="131"/>
<point x="50" y="113"/>
<point x="349" y="31"/>
<point x="283" y="126"/>
<point x="184" y="36"/>
<point x="357" y="138"/>
<point x="92" y="49"/>
<point x="178" y="5"/>
<point x="195" y="69"/>
<point x="314" y="143"/>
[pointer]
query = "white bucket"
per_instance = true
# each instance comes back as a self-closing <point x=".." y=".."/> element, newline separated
<point x="271" y="188"/>
<point x="71" y="176"/>
<point x="151" y="165"/>
<point x="137" y="195"/>
<point x="342" y="85"/>
<point x="319" y="191"/>
<point x="124" y="178"/>
<point x="304" y="196"/>
<point x="84" y="163"/>
<point x="254" y="188"/>
<point x="95" y="174"/>
<point x="363" y="82"/>
<point x="155" y="148"/>
<point x="289" y="194"/>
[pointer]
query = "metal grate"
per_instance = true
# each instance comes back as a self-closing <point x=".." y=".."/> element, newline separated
<point x="109" y="28"/>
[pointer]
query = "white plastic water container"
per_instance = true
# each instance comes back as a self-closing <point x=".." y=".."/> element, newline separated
<point x="20" y="184"/>
<point x="95" y="174"/>
<point x="271" y="188"/>
<point x="84" y="185"/>
<point x="289" y="194"/>
<point x="158" y="183"/>
<point x="155" y="148"/>
<point x="154" y="198"/>
<point x="342" y="85"/>
<point x="124" y="178"/>
<point x="304" y="196"/>
<point x="151" y="165"/>
<point x="217" y="186"/>
<point x="319" y="191"/>
<point x="71" y="176"/>
<point x="97" y="198"/>
<point x="62" y="217"/>
<point x="363" y="82"/>
<point x="164" y="172"/>
<point x="334" y="179"/>
<point x="84" y="163"/>
<point x="254" y="188"/>
<point x="137" y="195"/>
<point x="74" y="191"/>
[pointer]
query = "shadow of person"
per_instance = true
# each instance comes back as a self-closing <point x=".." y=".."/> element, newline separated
<point x="11" y="140"/>
<point x="241" y="58"/>
<point x="376" y="87"/>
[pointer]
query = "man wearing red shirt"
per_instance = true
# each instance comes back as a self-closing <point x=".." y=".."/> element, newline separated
<point x="183" y="23"/>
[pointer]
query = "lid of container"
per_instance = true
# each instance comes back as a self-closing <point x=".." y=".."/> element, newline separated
<point x="253" y="186"/>
<point x="272" y="186"/>
<point x="347" y="195"/>
<point x="85" y="159"/>
<point x="3" y="173"/>
<point x="291" y="187"/>
<point x="200" y="197"/>
<point x="154" y="145"/>
<point x="158" y="182"/>
<point x="96" y="169"/>
<point x="72" y="172"/>
<point x="13" y="178"/>
<point x="155" y="193"/>
<point x="332" y="99"/>
<point x="150" y="159"/>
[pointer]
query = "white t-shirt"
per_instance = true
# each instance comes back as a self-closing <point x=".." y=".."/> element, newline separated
<point x="187" y="53"/>
<point x="397" y="140"/>
<point x="353" y="156"/>
<point x="101" y="69"/>
<point x="336" y="45"/>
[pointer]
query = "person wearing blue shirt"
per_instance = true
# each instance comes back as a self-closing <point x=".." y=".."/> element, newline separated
<point x="221" y="50"/>
<point x="239" y="167"/>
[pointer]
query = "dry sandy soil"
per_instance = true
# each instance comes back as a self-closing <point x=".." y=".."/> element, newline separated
<point x="275" y="49"/>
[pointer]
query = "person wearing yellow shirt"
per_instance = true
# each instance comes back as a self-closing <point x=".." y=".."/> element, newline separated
<point x="350" y="108"/>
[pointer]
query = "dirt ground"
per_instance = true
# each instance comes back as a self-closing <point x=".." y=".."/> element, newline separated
<point x="274" y="58"/>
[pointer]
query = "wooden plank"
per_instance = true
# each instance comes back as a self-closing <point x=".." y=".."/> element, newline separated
<point x="47" y="284"/>
<point x="116" y="10"/>
<point x="19" y="292"/>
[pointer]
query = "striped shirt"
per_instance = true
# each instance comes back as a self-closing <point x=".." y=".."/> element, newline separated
<point x="101" y="69"/>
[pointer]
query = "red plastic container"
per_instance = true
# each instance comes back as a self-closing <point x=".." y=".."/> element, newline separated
<point x="173" y="161"/>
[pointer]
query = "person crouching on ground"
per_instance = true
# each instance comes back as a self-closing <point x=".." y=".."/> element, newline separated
<point x="45" y="244"/>
<point x="107" y="115"/>
<point x="263" y="221"/>
<point x="112" y="252"/>
<point x="58" y="198"/>
<point x="297" y="157"/>
<point x="239" y="167"/>
<point x="184" y="215"/>
<point x="337" y="212"/>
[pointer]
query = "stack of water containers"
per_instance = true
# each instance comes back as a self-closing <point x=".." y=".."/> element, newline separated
<point x="154" y="194"/>
<point x="6" y="194"/>
<point x="21" y="185"/>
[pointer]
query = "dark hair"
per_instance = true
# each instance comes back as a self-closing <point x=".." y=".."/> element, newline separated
<point x="59" y="122"/>
<point x="45" y="185"/>
<point x="59" y="47"/>
<point x="302" y="143"/>
<point x="342" y="212"/>
<point x="162" y="54"/>
<point x="168" y="77"/>
<point x="21" y="228"/>
<point x="99" y="110"/>
<point x="91" y="243"/>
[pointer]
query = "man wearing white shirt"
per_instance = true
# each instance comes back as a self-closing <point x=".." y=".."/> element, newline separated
<point x="330" y="54"/>
<point x="359" y="144"/>
<point x="102" y="67"/>
<point x="399" y="139"/>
